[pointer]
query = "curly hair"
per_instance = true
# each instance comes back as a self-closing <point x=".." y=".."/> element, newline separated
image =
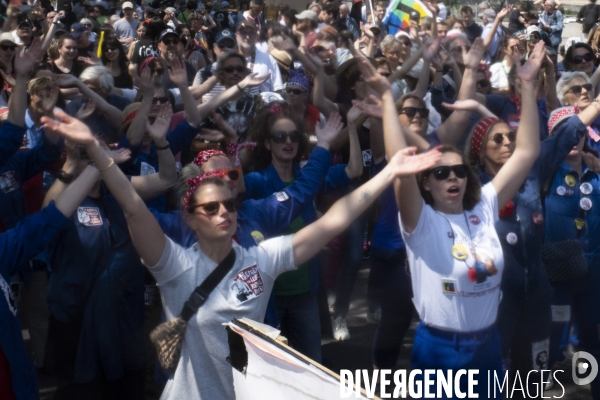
<point x="260" y="132"/>
<point x="473" y="191"/>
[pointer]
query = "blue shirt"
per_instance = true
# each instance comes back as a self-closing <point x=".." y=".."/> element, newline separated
<point x="27" y="239"/>
<point x="506" y="110"/>
<point x="386" y="233"/>
<point x="555" y="21"/>
<point x="97" y="123"/>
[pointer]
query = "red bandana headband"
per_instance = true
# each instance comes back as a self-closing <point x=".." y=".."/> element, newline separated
<point x="194" y="182"/>
<point x="204" y="155"/>
<point x="517" y="102"/>
<point x="561" y="114"/>
<point x="479" y="132"/>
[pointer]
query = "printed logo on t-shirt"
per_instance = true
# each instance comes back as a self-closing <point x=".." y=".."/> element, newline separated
<point x="89" y="216"/>
<point x="539" y="354"/>
<point x="513" y="122"/>
<point x="367" y="157"/>
<point x="474" y="219"/>
<point x="561" y="313"/>
<point x="146" y="169"/>
<point x="247" y="284"/>
<point x="8" y="182"/>
<point x="449" y="287"/>
<point x="8" y="295"/>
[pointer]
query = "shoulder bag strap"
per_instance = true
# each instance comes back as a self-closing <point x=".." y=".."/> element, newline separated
<point x="201" y="293"/>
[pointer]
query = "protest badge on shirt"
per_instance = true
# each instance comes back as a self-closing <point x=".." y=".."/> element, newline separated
<point x="8" y="182"/>
<point x="146" y="169"/>
<point x="247" y="284"/>
<point x="89" y="216"/>
<point x="367" y="157"/>
<point x="513" y="121"/>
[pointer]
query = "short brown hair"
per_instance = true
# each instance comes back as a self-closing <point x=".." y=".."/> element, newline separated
<point x="473" y="190"/>
<point x="40" y="85"/>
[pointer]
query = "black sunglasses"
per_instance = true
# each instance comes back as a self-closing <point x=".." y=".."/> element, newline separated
<point x="412" y="111"/>
<point x="6" y="47"/>
<point x="498" y="138"/>
<point x="442" y="173"/>
<point x="281" y="136"/>
<point x="483" y="83"/>
<point x="170" y="42"/>
<point x="226" y="45"/>
<point x="295" y="91"/>
<point x="239" y="69"/>
<point x="584" y="58"/>
<point x="576" y="89"/>
<point x="162" y="100"/>
<point x="213" y="207"/>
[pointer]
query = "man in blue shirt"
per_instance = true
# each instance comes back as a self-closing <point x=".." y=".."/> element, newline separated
<point x="552" y="22"/>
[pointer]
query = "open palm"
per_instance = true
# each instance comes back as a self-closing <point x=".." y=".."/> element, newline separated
<point x="158" y="130"/>
<point x="405" y="162"/>
<point x="68" y="127"/>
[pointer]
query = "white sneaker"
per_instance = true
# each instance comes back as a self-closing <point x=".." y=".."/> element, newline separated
<point x="373" y="317"/>
<point x="340" y="329"/>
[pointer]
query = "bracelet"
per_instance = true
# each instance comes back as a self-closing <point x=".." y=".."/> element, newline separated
<point x="165" y="147"/>
<point x="239" y="87"/>
<point x="110" y="164"/>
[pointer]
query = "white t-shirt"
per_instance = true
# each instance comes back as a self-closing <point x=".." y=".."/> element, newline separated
<point x="499" y="77"/>
<point x="203" y="372"/>
<point x="444" y="295"/>
<point x="264" y="64"/>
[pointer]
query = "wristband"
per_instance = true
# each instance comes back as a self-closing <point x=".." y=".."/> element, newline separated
<point x="165" y="147"/>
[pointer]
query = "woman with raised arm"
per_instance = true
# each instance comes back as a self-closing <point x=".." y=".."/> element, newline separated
<point x="210" y="211"/>
<point x="447" y="222"/>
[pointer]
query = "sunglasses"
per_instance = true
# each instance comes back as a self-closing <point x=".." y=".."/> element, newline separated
<point x="162" y="100"/>
<point x="412" y="111"/>
<point x="442" y="173"/>
<point x="297" y="92"/>
<point x="213" y="207"/>
<point x="168" y="42"/>
<point x="483" y="83"/>
<point x="6" y="47"/>
<point x="281" y="136"/>
<point x="498" y="138"/>
<point x="239" y="69"/>
<point x="576" y="89"/>
<point x="581" y="59"/>
<point x="233" y="174"/>
<point x="225" y="45"/>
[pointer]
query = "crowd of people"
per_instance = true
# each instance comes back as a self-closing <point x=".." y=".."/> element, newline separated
<point x="147" y="145"/>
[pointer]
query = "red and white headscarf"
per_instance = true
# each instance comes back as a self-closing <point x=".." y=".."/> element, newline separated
<point x="204" y="155"/>
<point x="194" y="182"/>
<point x="479" y="132"/>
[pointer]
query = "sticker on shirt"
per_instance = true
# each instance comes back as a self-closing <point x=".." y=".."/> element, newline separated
<point x="281" y="196"/>
<point x="585" y="204"/>
<point x="539" y="354"/>
<point x="247" y="284"/>
<point x="367" y="157"/>
<point x="570" y="180"/>
<point x="449" y="287"/>
<point x="537" y="218"/>
<point x="8" y="295"/>
<point x="146" y="169"/>
<point x="513" y="122"/>
<point x="474" y="219"/>
<point x="586" y="188"/>
<point x="561" y="313"/>
<point x="8" y="182"/>
<point x="89" y="216"/>
<point x="257" y="236"/>
<point x="512" y="238"/>
<point x="561" y="190"/>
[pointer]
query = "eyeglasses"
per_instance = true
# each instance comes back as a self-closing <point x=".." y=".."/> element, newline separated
<point x="412" y="111"/>
<point x="583" y="58"/>
<point x="576" y="89"/>
<point x="162" y="100"/>
<point x="233" y="174"/>
<point x="442" y="173"/>
<point x="225" y="45"/>
<point x="173" y="41"/>
<point x="281" y="136"/>
<point x="6" y="47"/>
<point x="483" y="83"/>
<point x="213" y="207"/>
<point x="297" y="92"/>
<point x="498" y="138"/>
<point x="239" y="69"/>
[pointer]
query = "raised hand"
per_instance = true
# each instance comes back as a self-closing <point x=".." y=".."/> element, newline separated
<point x="91" y="60"/>
<point x="68" y="127"/>
<point x="504" y="12"/>
<point x="371" y="106"/>
<point x="25" y="60"/>
<point x="158" y="130"/>
<point x="529" y="70"/>
<point x="463" y="105"/>
<point x="286" y="44"/>
<point x="87" y="108"/>
<point x="253" y="80"/>
<point x="60" y="15"/>
<point x="146" y="84"/>
<point x="591" y="161"/>
<point x="372" y="78"/>
<point x="211" y="135"/>
<point x="447" y="58"/>
<point x="177" y="72"/>
<point x="49" y="101"/>
<point x="8" y="79"/>
<point x="353" y="115"/>
<point x="331" y="129"/>
<point x="119" y="155"/>
<point x="431" y="48"/>
<point x="226" y="129"/>
<point x="65" y="80"/>
<point x="405" y="162"/>
<point x="473" y="57"/>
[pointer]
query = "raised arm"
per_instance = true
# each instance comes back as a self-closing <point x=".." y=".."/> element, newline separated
<point x="510" y="177"/>
<point x="309" y="240"/>
<point x="49" y="36"/>
<point x="178" y="76"/>
<point x="135" y="132"/>
<point x="497" y="21"/>
<point x="24" y="63"/>
<point x="147" y="237"/>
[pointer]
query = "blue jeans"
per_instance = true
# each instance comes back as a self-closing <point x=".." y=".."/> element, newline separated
<point x="353" y="250"/>
<point x="437" y="349"/>
<point x="300" y="323"/>
<point x="390" y="287"/>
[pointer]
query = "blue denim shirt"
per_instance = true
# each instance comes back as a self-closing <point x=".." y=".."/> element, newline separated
<point x="27" y="239"/>
<point x="555" y="20"/>
<point x="11" y="138"/>
<point x="524" y="271"/>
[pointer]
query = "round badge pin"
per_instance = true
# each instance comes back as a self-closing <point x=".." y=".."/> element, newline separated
<point x="585" y="204"/>
<point x="459" y="252"/>
<point x="511" y="238"/>
<point x="586" y="188"/>
<point x="570" y="180"/>
<point x="579" y="224"/>
<point x="561" y="190"/>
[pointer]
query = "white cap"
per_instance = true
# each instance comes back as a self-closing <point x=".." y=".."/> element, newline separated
<point x="532" y="28"/>
<point x="7" y="37"/>
<point x="307" y="14"/>
<point x="127" y="4"/>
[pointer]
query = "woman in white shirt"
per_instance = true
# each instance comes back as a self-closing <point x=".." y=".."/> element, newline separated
<point x="447" y="222"/>
<point x="210" y="211"/>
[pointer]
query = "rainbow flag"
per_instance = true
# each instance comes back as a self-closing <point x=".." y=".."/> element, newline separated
<point x="398" y="14"/>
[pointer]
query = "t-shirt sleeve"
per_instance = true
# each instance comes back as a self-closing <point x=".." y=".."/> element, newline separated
<point x="424" y="226"/>
<point x="174" y="261"/>
<point x="489" y="197"/>
<point x="276" y="255"/>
